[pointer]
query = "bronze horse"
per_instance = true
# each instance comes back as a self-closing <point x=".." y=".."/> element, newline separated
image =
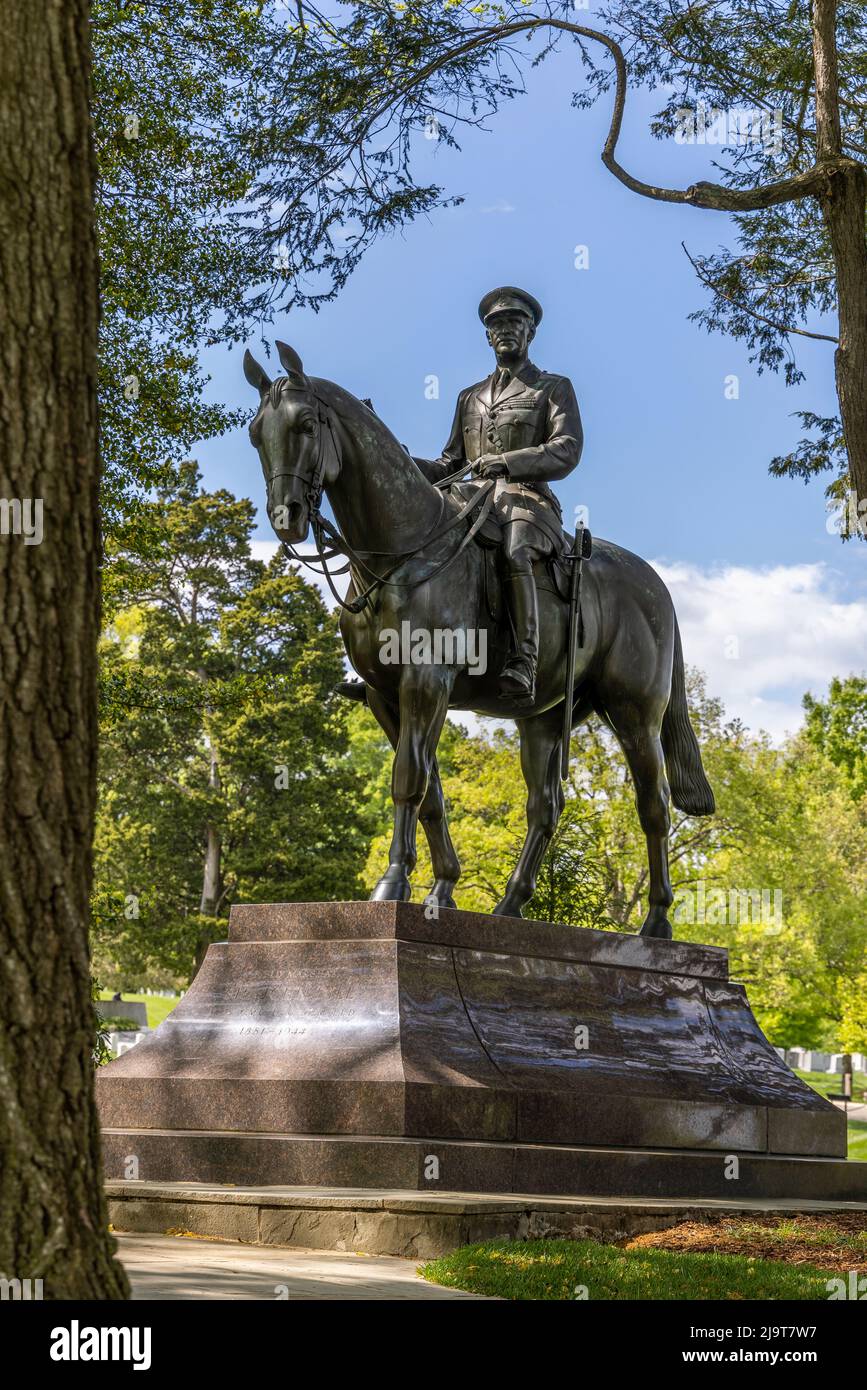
<point x="411" y="562"/>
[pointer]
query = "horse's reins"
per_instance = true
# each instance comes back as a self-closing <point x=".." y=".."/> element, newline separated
<point x="321" y="527"/>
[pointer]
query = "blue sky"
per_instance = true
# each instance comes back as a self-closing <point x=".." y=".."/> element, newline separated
<point x="671" y="468"/>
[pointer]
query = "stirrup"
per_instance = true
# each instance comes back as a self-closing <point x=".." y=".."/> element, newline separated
<point x="518" y="680"/>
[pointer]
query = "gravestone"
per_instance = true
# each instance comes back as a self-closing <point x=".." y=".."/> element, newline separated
<point x="135" y="1011"/>
<point x="120" y="1041"/>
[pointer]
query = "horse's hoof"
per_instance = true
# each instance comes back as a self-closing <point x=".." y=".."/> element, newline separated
<point x="440" y="894"/>
<point x="392" y="889"/>
<point x="657" y="926"/>
<point x="505" y="908"/>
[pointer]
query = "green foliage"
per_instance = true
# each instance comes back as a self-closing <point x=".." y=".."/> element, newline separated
<point x="101" y="1051"/>
<point x="838" y="726"/>
<point x="176" y="102"/>
<point x="220" y="729"/>
<point x="852" y="1033"/>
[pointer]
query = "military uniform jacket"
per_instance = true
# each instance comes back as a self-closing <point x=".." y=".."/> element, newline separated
<point x="535" y="426"/>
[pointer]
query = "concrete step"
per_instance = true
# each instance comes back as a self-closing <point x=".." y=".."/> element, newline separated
<point x="411" y="1224"/>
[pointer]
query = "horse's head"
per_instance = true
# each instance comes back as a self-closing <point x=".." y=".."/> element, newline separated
<point x="288" y="431"/>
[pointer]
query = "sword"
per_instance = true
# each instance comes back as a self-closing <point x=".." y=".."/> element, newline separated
<point x="580" y="551"/>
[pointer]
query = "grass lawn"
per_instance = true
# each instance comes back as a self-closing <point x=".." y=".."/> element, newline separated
<point x="827" y="1081"/>
<point x="858" y="1140"/>
<point x="561" y="1269"/>
<point x="158" y="1007"/>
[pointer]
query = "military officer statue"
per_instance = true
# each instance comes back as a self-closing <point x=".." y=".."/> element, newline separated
<point x="522" y="427"/>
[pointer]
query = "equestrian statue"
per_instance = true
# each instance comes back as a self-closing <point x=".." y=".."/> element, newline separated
<point x="504" y="614"/>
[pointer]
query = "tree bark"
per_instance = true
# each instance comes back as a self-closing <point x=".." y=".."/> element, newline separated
<point x="212" y="878"/>
<point x="212" y="872"/>
<point x="844" y="208"/>
<point x="212" y="884"/>
<point x="53" y="1217"/>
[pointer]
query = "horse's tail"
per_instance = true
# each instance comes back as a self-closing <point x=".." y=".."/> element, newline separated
<point x="690" y="790"/>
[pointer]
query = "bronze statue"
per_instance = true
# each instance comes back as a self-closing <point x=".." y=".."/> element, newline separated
<point x="522" y="427"/>
<point x="424" y="565"/>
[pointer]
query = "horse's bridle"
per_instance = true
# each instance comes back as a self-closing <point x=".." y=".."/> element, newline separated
<point x="313" y="495"/>
<point x="322" y="528"/>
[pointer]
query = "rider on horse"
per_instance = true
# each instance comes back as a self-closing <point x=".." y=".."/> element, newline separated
<point x="522" y="427"/>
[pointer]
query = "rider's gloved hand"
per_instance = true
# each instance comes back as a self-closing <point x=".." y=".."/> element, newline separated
<point x="490" y="466"/>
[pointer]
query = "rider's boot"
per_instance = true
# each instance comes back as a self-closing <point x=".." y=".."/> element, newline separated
<point x="518" y="680"/>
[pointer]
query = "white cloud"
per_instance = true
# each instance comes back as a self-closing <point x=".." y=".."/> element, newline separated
<point x="765" y="636"/>
<point x="500" y="206"/>
<point x="762" y="636"/>
<point x="264" y="550"/>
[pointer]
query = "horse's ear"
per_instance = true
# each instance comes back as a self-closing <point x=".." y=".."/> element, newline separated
<point x="290" y="359"/>
<point x="255" y="374"/>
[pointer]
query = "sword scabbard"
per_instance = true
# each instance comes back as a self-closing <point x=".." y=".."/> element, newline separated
<point x="572" y="647"/>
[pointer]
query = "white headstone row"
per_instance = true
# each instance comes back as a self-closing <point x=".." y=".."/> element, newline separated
<point x="805" y="1060"/>
<point x="122" y="1042"/>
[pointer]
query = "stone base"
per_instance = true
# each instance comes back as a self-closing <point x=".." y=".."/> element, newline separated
<point x="423" y="1165"/>
<point x="348" y="1044"/>
<point x="413" y="1225"/>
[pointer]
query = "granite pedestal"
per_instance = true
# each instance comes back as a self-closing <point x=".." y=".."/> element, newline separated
<point x="364" y="1045"/>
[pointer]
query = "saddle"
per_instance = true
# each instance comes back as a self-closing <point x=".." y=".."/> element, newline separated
<point x="551" y="573"/>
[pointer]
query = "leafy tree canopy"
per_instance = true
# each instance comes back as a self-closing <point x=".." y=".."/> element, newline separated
<point x="179" y="94"/>
<point x="838" y="726"/>
<point x="224" y="772"/>
<point x="776" y="85"/>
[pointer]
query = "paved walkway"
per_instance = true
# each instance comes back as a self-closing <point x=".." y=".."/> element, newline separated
<point x="855" y="1112"/>
<point x="173" y="1267"/>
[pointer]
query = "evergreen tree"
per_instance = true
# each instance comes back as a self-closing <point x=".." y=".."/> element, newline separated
<point x="224" y="774"/>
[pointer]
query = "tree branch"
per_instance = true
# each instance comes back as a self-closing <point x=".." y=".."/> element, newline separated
<point x="745" y="308"/>
<point x="715" y="197"/>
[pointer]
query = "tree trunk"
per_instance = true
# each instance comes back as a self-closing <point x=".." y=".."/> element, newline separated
<point x="844" y="207"/>
<point x="53" y="1218"/>
<point x="844" y="210"/>
<point x="212" y="877"/>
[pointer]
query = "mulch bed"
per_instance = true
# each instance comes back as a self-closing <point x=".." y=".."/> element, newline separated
<point x="829" y="1242"/>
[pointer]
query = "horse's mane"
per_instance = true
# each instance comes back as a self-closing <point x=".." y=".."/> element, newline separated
<point x="349" y="408"/>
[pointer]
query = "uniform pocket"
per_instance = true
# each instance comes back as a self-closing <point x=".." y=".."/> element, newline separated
<point x="520" y="428"/>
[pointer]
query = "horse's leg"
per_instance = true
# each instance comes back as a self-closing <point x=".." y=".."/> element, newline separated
<point x="541" y="738"/>
<point x="639" y="736"/>
<point x="424" y="702"/>
<point x="444" y="860"/>
<point x="432" y="813"/>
